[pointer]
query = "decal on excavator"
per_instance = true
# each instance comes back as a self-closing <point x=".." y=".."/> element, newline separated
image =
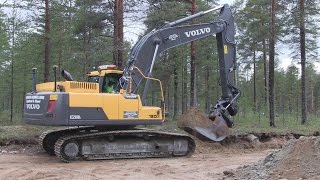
<point x="75" y="117"/>
<point x="130" y="114"/>
<point x="35" y="97"/>
<point x="173" y="37"/>
<point x="33" y="102"/>
<point x="32" y="106"/>
<point x="198" y="32"/>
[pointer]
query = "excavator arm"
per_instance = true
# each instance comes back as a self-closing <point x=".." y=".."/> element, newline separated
<point x="145" y="52"/>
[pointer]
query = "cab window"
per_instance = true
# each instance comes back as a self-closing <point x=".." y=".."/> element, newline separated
<point x="94" y="79"/>
<point x="111" y="83"/>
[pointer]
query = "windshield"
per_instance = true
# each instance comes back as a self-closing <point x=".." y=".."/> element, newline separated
<point x="94" y="79"/>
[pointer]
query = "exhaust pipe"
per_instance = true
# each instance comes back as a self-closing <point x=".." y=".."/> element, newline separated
<point x="66" y="75"/>
<point x="55" y="77"/>
<point x="34" y="80"/>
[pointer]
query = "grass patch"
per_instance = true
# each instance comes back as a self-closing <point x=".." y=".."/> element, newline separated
<point x="286" y="123"/>
<point x="5" y="119"/>
<point x="255" y="123"/>
<point x="20" y="134"/>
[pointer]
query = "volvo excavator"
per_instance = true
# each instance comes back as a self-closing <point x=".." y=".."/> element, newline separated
<point x="103" y="124"/>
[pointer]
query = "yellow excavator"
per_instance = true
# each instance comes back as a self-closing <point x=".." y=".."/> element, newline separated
<point x="101" y="115"/>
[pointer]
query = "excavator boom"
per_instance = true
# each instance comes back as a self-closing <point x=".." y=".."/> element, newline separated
<point x="150" y="46"/>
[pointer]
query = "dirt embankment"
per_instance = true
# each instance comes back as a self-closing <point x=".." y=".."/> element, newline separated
<point x="298" y="159"/>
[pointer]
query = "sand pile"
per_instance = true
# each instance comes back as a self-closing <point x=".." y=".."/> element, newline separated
<point x="198" y="124"/>
<point x="193" y="118"/>
<point x="298" y="159"/>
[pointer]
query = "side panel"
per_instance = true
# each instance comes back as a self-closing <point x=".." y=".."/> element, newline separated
<point x="111" y="109"/>
<point x="93" y="100"/>
<point x="129" y="107"/>
<point x="36" y="108"/>
<point x="111" y="105"/>
<point x="149" y="112"/>
<point x="86" y="109"/>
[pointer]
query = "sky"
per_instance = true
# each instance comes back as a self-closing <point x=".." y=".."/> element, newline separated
<point x="132" y="30"/>
<point x="226" y="1"/>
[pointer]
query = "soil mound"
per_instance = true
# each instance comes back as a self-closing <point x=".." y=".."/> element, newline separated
<point x="194" y="119"/>
<point x="298" y="159"/>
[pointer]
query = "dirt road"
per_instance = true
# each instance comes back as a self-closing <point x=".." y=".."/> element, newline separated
<point x="25" y="166"/>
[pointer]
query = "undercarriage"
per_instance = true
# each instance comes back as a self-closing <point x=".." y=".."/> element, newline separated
<point x="90" y="143"/>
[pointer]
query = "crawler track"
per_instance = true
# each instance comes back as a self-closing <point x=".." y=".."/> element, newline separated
<point x="48" y="138"/>
<point x="88" y="143"/>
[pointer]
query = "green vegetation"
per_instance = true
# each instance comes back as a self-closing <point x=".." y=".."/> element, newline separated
<point x="248" y="123"/>
<point x="24" y="134"/>
<point x="285" y="123"/>
<point x="255" y="123"/>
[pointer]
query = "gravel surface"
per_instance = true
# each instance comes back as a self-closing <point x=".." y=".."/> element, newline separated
<point x="298" y="159"/>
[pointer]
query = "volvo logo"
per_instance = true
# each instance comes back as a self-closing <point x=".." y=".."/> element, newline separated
<point x="32" y="106"/>
<point x="75" y="116"/>
<point x="198" y="32"/>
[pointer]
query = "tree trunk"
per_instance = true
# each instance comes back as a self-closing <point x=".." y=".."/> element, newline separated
<point x="311" y="109"/>
<point x="271" y="66"/>
<point x="265" y="72"/>
<point x="60" y="51"/>
<point x="303" y="64"/>
<point x="12" y="68"/>
<point x="118" y="34"/>
<point x="184" y="99"/>
<point x="175" y="91"/>
<point x="46" y="42"/>
<point x="115" y="33"/>
<point x="206" y="90"/>
<point x="86" y="44"/>
<point x="254" y="83"/>
<point x="168" y="98"/>
<point x="193" y="99"/>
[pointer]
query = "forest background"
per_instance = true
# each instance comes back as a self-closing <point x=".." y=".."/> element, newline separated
<point x="78" y="35"/>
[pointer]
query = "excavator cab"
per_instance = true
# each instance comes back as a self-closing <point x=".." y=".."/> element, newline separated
<point x="108" y="78"/>
<point x="110" y="83"/>
<point x="93" y="77"/>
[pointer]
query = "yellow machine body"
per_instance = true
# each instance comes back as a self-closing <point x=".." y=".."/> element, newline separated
<point x="86" y="103"/>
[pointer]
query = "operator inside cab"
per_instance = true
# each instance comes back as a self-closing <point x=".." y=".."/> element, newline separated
<point x="111" y="84"/>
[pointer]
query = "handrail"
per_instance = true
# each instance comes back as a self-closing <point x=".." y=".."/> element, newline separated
<point x="162" y="97"/>
<point x="154" y="79"/>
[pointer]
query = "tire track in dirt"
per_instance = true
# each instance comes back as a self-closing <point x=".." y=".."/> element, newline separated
<point x="199" y="166"/>
<point x="209" y="162"/>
